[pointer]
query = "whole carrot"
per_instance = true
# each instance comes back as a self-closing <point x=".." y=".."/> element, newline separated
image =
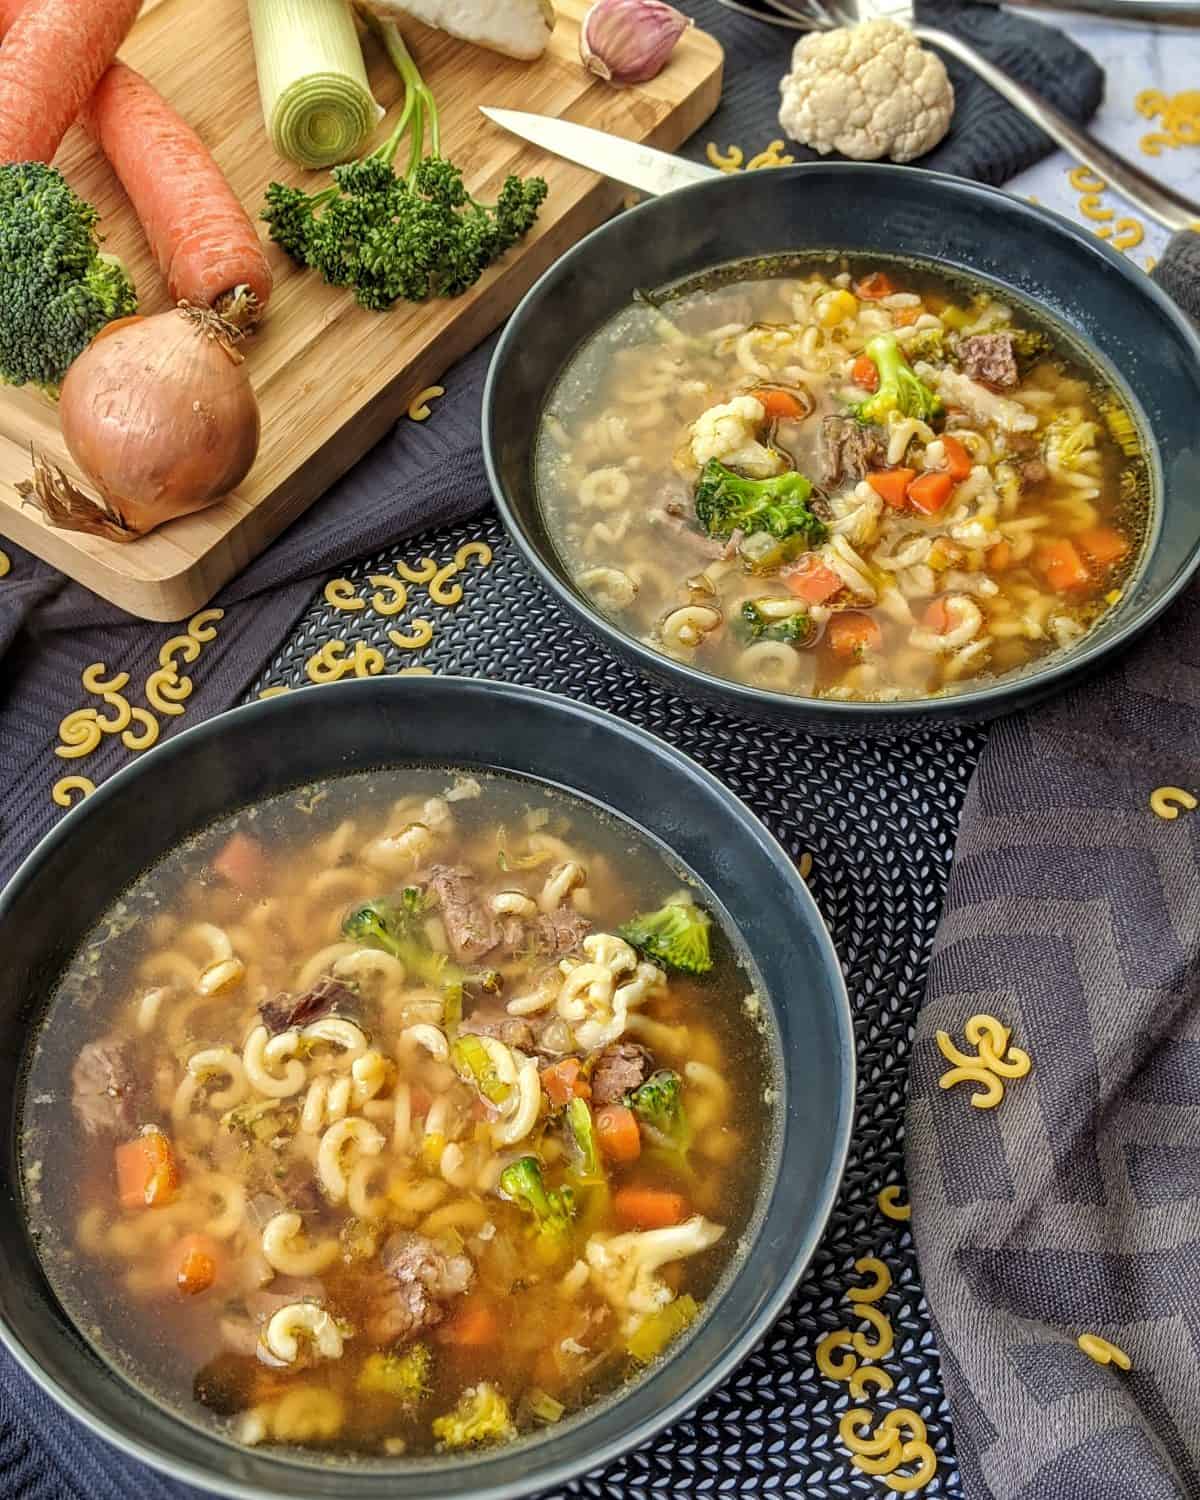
<point x="53" y="56"/>
<point x="202" y="238"/>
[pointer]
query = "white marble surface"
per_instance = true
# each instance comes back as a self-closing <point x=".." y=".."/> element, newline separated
<point x="1135" y="59"/>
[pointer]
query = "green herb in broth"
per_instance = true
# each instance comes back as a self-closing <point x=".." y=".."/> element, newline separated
<point x="979" y="494"/>
<point x="310" y="1198"/>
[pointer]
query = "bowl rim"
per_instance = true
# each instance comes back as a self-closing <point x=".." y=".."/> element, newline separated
<point x="846" y="714"/>
<point x="741" y="1342"/>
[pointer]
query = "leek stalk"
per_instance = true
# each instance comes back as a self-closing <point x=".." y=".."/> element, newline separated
<point x="316" y="101"/>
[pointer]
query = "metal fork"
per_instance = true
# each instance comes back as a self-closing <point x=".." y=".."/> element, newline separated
<point x="1157" y="199"/>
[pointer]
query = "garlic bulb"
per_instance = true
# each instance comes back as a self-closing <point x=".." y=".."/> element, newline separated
<point x="629" y="41"/>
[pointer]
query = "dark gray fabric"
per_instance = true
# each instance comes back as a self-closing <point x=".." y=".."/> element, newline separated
<point x="1073" y="914"/>
<point x="1179" y="271"/>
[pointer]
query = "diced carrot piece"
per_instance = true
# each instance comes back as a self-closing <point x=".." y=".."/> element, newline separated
<point x="864" y="373"/>
<point x="242" y="862"/>
<point x="780" y="405"/>
<point x="958" y="460"/>
<point x="1104" y="544"/>
<point x="937" y="617"/>
<point x="851" y="633"/>
<point x="809" y="579"/>
<point x="878" y="284"/>
<point x="147" y="1173"/>
<point x="892" y="485"/>
<point x="561" y="1082"/>
<point x="194" y="1263"/>
<point x="930" y="491"/>
<point x="649" y="1208"/>
<point x="905" y="317"/>
<point x="999" y="556"/>
<point x="617" y="1133"/>
<point x="1061" y="565"/>
<point x="471" y="1326"/>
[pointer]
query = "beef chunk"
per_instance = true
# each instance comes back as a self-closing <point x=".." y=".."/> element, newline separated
<point x="849" y="450"/>
<point x="619" y="1068"/>
<point x="286" y="1011"/>
<point x="1032" y="471"/>
<point x="989" y="357"/>
<point x="560" y="932"/>
<point x="409" y="1294"/>
<point x="471" y="928"/>
<point x="511" y="1030"/>
<point x="104" y="1090"/>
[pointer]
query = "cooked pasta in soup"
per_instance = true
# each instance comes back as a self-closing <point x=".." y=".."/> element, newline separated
<point x="843" y="481"/>
<point x="408" y="1114"/>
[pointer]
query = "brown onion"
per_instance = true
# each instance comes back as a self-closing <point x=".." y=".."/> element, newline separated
<point x="160" y="416"/>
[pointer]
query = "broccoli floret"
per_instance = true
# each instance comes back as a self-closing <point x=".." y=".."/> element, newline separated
<point x="754" y="625"/>
<point x="726" y="502"/>
<point x="658" y="1104"/>
<point x="1030" y="344"/>
<point x="1120" y="425"/>
<point x="56" y="288"/>
<point x="676" y="936"/>
<point x="397" y="930"/>
<point x="929" y="344"/>
<point x="400" y="1377"/>
<point x="1068" y="439"/>
<point x="413" y="234"/>
<point x="899" y="389"/>
<point x="481" y="1416"/>
<point x="552" y="1210"/>
<point x="583" y="1133"/>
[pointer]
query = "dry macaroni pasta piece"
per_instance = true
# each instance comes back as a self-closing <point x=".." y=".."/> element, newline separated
<point x="441" y="591"/>
<point x="479" y="551"/>
<point x="422" y="573"/>
<point x="1084" y="180"/>
<point x="888" y="1199"/>
<point x="339" y="593"/>
<point x="991" y="1089"/>
<point x="415" y="672"/>
<point x="122" y="714"/>
<point x="859" y="1416"/>
<point x="805" y="866"/>
<point x="202" y="626"/>
<point x="421" y="635"/>
<point x="831" y="1368"/>
<point x="884" y="1337"/>
<point x="773" y="156"/>
<point x="5" y="565"/>
<point x="94" y="681"/>
<point x="925" y="1460"/>
<point x="80" y="734"/>
<point x="868" y="1375"/>
<point x="394" y="600"/>
<point x="272" y="692"/>
<point x="868" y="1265"/>
<point x="165" y="691"/>
<point x="729" y="162"/>
<point x="327" y="664"/>
<point x="66" y="787"/>
<point x="1104" y="1352"/>
<point x="186" y="646"/>
<point x="1167" y="800"/>
<point x="149" y="734"/>
<point x="419" y="408"/>
<point x="367" y="661"/>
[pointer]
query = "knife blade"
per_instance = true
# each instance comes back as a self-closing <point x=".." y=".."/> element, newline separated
<point x="642" y="167"/>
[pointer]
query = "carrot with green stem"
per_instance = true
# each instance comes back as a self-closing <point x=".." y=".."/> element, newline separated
<point x="54" y="54"/>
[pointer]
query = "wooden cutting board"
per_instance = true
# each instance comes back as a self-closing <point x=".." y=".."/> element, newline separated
<point x="331" y="378"/>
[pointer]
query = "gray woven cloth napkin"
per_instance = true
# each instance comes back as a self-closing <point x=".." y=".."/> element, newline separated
<point x="1073" y="915"/>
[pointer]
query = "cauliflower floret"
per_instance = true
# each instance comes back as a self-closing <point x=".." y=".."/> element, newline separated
<point x="856" y="514"/>
<point x="730" y="433"/>
<point x="980" y="404"/>
<point x="623" y="1266"/>
<point x="867" y="91"/>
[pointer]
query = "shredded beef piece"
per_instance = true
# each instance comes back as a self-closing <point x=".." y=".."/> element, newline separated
<point x="286" y="1011"/>
<point x="989" y="357"/>
<point x="621" y="1067"/>
<point x="511" y="1030"/>
<point x="560" y="932"/>
<point x="471" y="928"/>
<point x="409" y="1294"/>
<point x="849" y="450"/>
<point x="105" y="1092"/>
<point x="1033" y="471"/>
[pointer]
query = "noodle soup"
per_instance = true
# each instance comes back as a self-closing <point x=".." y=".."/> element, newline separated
<point x="842" y="480"/>
<point x="403" y="1115"/>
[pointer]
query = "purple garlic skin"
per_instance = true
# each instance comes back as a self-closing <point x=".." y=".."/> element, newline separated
<point x="630" y="41"/>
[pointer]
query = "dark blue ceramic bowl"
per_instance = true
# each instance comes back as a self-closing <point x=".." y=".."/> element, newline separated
<point x="252" y="753"/>
<point x="1105" y="302"/>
